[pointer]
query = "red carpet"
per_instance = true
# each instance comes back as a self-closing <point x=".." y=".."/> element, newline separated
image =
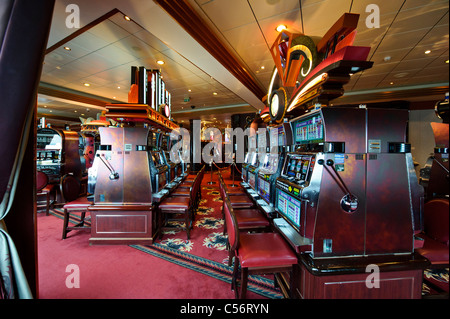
<point x="123" y="272"/>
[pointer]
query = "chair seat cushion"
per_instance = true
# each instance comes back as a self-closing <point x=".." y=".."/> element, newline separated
<point x="436" y="252"/>
<point x="235" y="191"/>
<point x="250" y="218"/>
<point x="264" y="250"/>
<point x="240" y="201"/>
<point x="79" y="203"/>
<point x="181" y="192"/>
<point x="175" y="202"/>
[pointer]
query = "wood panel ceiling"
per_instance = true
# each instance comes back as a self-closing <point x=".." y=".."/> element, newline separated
<point x="196" y="66"/>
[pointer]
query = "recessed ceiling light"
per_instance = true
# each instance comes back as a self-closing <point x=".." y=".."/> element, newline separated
<point x="215" y="93"/>
<point x="392" y="83"/>
<point x="262" y="68"/>
<point x="127" y="18"/>
<point x="446" y="61"/>
<point x="58" y="68"/>
<point x="160" y="62"/>
<point x="427" y="51"/>
<point x="118" y="87"/>
<point x="86" y="84"/>
<point x="189" y="90"/>
<point x="45" y="105"/>
<point x="67" y="48"/>
<point x="75" y="111"/>
<point x="82" y="114"/>
<point x="281" y="27"/>
<point x="50" y="111"/>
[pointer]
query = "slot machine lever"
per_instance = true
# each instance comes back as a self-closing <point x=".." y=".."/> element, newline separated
<point x="113" y="174"/>
<point x="349" y="202"/>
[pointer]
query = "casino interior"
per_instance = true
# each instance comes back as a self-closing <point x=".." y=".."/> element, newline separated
<point x="248" y="149"/>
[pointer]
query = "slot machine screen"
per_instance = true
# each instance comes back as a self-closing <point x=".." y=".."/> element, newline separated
<point x="309" y="130"/>
<point x="247" y="156"/>
<point x="255" y="160"/>
<point x="292" y="166"/>
<point x="289" y="208"/>
<point x="264" y="188"/>
<point x="251" y="180"/>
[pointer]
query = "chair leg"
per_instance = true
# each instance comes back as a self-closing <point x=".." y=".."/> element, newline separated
<point x="244" y="279"/>
<point x="234" y="277"/>
<point x="47" y="207"/>
<point x="187" y="222"/>
<point x="65" y="224"/>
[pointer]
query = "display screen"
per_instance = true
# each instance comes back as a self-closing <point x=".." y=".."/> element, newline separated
<point x="309" y="130"/>
<point x="247" y="156"/>
<point x="289" y="207"/>
<point x="264" y="189"/>
<point x="255" y="160"/>
<point x="252" y="180"/>
<point x="298" y="166"/>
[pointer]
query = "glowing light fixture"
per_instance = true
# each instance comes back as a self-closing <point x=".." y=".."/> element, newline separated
<point x="86" y="84"/>
<point x="427" y="51"/>
<point x="160" y="62"/>
<point x="67" y="48"/>
<point x="281" y="27"/>
<point x="127" y="18"/>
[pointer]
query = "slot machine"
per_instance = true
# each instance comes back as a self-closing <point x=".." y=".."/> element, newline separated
<point x="257" y="161"/>
<point x="57" y="153"/>
<point x="173" y="170"/>
<point x="250" y="157"/>
<point x="123" y="196"/>
<point x="158" y="168"/>
<point x="280" y="138"/>
<point x="348" y="197"/>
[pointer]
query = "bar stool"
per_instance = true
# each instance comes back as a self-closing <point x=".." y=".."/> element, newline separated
<point x="256" y="253"/>
<point x="70" y="190"/>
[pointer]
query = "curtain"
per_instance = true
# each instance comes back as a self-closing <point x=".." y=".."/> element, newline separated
<point x="24" y="28"/>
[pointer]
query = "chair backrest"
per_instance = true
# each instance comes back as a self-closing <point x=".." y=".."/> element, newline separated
<point x="70" y="187"/>
<point x="41" y="180"/>
<point x="232" y="227"/>
<point x="436" y="219"/>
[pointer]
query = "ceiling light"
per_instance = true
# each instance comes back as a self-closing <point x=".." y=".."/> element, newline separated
<point x="189" y="90"/>
<point x="392" y="83"/>
<point x="45" y="105"/>
<point x="75" y="111"/>
<point x="118" y="87"/>
<point x="58" y="68"/>
<point x="281" y="27"/>
<point x="262" y="68"/>
<point x="127" y="18"/>
<point x="67" y="48"/>
<point x="215" y="93"/>
<point x="160" y="62"/>
<point x="86" y="84"/>
<point x="427" y="51"/>
<point x="446" y="61"/>
<point x="50" y="111"/>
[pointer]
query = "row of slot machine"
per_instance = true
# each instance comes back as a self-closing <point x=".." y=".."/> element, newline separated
<point x="114" y="162"/>
<point x="341" y="187"/>
<point x="61" y="152"/>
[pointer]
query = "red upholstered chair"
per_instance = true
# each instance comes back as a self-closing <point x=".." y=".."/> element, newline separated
<point x="256" y="253"/>
<point x="248" y="219"/>
<point x="43" y="190"/>
<point x="172" y="206"/>
<point x="436" y="232"/>
<point x="70" y="189"/>
<point x="237" y="200"/>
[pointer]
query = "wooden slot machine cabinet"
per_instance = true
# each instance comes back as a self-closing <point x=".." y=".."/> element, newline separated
<point x="350" y="203"/>
<point x="123" y="212"/>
